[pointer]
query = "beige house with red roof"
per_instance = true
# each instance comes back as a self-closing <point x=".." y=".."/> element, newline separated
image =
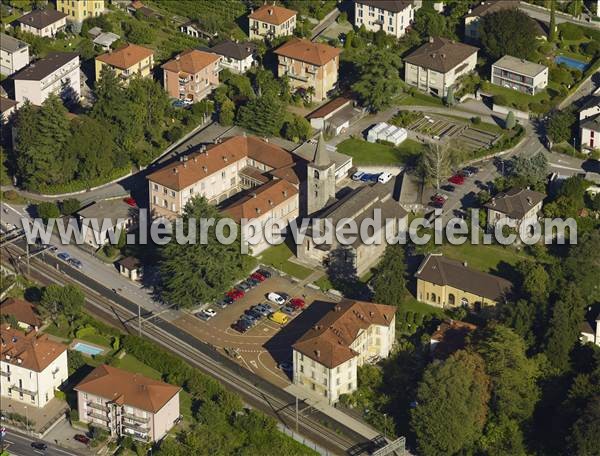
<point x="127" y="61"/>
<point x="219" y="171"/>
<point x="192" y="75"/>
<point x="32" y="367"/>
<point x="309" y="64"/>
<point x="271" y="21"/>
<point x="125" y="403"/>
<point x="352" y="333"/>
<point x="276" y="202"/>
<point x="24" y="312"/>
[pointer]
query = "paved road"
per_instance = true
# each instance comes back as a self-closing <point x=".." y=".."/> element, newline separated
<point x="19" y="444"/>
<point x="325" y="22"/>
<point x="542" y="14"/>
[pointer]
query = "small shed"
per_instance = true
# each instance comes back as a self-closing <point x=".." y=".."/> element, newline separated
<point x="373" y="134"/>
<point x="131" y="268"/>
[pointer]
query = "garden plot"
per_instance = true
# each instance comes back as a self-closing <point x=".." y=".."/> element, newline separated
<point x="437" y="127"/>
<point x="474" y="139"/>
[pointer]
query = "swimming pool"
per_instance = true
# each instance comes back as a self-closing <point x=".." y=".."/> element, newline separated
<point x="87" y="349"/>
<point x="571" y="63"/>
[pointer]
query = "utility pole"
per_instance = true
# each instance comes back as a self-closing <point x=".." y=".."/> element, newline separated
<point x="296" y="414"/>
<point x="139" y="320"/>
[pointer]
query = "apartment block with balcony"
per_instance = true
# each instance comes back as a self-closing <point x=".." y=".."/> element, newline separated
<point x="43" y="23"/>
<point x="57" y="73"/>
<point x="309" y="65"/>
<point x="14" y="54"/>
<point x="435" y="66"/>
<point x="127" y="62"/>
<point x="391" y="16"/>
<point x="218" y="172"/>
<point x="128" y="404"/>
<point x="519" y="74"/>
<point x="192" y="75"/>
<point x="353" y="333"/>
<point x="271" y="21"/>
<point x="79" y="10"/>
<point x="589" y="123"/>
<point x="32" y="367"/>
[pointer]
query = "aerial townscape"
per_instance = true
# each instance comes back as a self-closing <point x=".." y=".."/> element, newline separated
<point x="300" y="227"/>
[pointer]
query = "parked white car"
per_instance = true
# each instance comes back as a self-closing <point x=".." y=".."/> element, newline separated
<point x="357" y="175"/>
<point x="384" y="177"/>
<point x="276" y="298"/>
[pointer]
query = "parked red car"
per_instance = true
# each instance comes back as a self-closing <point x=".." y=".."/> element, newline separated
<point x="457" y="179"/>
<point x="235" y="294"/>
<point x="129" y="200"/>
<point x="82" y="438"/>
<point x="258" y="276"/>
<point x="297" y="303"/>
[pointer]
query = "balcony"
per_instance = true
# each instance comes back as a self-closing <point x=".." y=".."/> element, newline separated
<point x="99" y="416"/>
<point x="23" y="391"/>
<point x="98" y="406"/>
<point x="5" y="374"/>
<point x="143" y="428"/>
<point x="298" y="77"/>
<point x="139" y="419"/>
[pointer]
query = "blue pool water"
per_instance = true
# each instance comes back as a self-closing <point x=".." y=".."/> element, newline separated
<point x="571" y="63"/>
<point x="87" y="349"/>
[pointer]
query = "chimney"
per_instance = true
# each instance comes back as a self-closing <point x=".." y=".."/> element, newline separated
<point x="529" y="201"/>
<point x="253" y="195"/>
<point x="258" y="211"/>
<point x="465" y="264"/>
<point x="270" y="203"/>
<point x="195" y="159"/>
<point x="431" y="39"/>
<point x="443" y="56"/>
<point x="174" y="170"/>
<point x="203" y="148"/>
<point x="270" y="12"/>
<point x="318" y="353"/>
<point x="266" y="140"/>
<point x="177" y="57"/>
<point x="285" y="193"/>
<point x="205" y="169"/>
<point x="224" y="158"/>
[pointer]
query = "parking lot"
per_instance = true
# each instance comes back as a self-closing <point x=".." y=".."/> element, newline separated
<point x="263" y="348"/>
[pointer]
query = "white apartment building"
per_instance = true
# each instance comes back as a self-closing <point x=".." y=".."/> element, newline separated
<point x="43" y="23"/>
<point x="590" y="331"/>
<point x="590" y="133"/>
<point x="58" y="73"/>
<point x="271" y="21"/>
<point x="391" y="16"/>
<point x="519" y="74"/>
<point x="435" y="66"/>
<point x="128" y="404"/>
<point x="518" y="208"/>
<point x="32" y="367"/>
<point x="218" y="172"/>
<point x="14" y="54"/>
<point x="237" y="57"/>
<point x="326" y="358"/>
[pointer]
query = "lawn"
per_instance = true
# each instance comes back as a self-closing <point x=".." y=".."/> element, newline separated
<point x="487" y="258"/>
<point x="98" y="339"/>
<point x="278" y="257"/>
<point x="420" y="99"/>
<point x="366" y="153"/>
<point x="132" y="364"/>
<point x="410" y="304"/>
<point x="513" y="97"/>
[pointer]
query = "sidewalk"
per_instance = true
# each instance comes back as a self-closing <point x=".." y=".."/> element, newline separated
<point x="321" y="404"/>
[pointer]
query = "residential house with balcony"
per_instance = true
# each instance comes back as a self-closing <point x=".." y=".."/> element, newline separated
<point x="237" y="57"/>
<point x="32" y="367"/>
<point x="219" y="171"/>
<point x="589" y="124"/>
<point x="271" y="21"/>
<point x="7" y="108"/>
<point x="14" y="54"/>
<point x="436" y="65"/>
<point x="519" y="74"/>
<point x="57" y="73"/>
<point x="192" y="75"/>
<point x="43" y="23"/>
<point x="127" y="61"/>
<point x="274" y="204"/>
<point x="473" y="17"/>
<point x="353" y="333"/>
<point x="78" y="11"/>
<point x="195" y="29"/>
<point x="517" y="207"/>
<point x="391" y="16"/>
<point x="128" y="404"/>
<point x="448" y="283"/>
<point x="309" y="65"/>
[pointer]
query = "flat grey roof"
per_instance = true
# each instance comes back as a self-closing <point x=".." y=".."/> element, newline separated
<point x="112" y="209"/>
<point x="39" y="69"/>
<point x="11" y="44"/>
<point x="521" y="66"/>
<point x="106" y="38"/>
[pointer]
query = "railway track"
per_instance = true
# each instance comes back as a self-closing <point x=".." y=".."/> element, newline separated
<point x="256" y="392"/>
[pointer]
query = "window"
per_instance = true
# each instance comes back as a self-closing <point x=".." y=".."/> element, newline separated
<point x="337" y="370"/>
<point x="451" y="299"/>
<point x="155" y="186"/>
<point x="222" y="174"/>
<point x="301" y="368"/>
<point x="337" y="381"/>
<point x="433" y="297"/>
<point x="173" y="193"/>
<point x="325" y="381"/>
<point x="312" y="375"/>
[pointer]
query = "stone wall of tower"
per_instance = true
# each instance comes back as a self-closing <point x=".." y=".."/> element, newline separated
<point x="320" y="186"/>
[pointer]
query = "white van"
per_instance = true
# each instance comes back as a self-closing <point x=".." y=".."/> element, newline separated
<point x="384" y="177"/>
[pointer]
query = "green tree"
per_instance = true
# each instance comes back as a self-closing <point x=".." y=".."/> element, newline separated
<point x="509" y="32"/>
<point x="452" y="405"/>
<point x="226" y="112"/>
<point x="389" y="284"/>
<point x="552" y="36"/>
<point x="296" y="128"/>
<point x="535" y="280"/>
<point x="430" y="23"/>
<point x="563" y="328"/>
<point x="560" y="125"/>
<point x="510" y="120"/>
<point x="263" y="115"/>
<point x="138" y="32"/>
<point x="514" y="392"/>
<point x="583" y="440"/>
<point x="68" y="301"/>
<point x="69" y="206"/>
<point x="47" y="210"/>
<point x="379" y="79"/>
<point x="503" y="437"/>
<point x="582" y="268"/>
<point x="201" y="272"/>
<point x="450" y="101"/>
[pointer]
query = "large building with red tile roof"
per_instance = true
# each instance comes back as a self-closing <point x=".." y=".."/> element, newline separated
<point x="127" y="61"/>
<point x="192" y="75"/>
<point x="219" y="171"/>
<point x="271" y="21"/>
<point x="309" y="64"/>
<point x="125" y="403"/>
<point x="32" y="367"/>
<point x="352" y="333"/>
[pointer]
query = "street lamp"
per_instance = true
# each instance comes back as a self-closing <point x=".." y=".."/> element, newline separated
<point x="26" y="419"/>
